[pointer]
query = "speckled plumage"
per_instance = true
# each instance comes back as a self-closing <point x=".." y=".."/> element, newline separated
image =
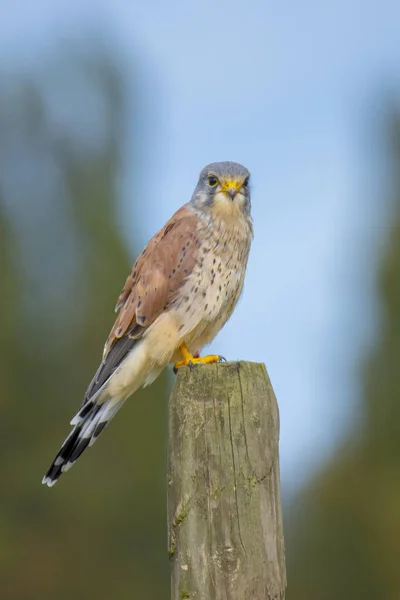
<point x="211" y="291"/>
<point x="181" y="291"/>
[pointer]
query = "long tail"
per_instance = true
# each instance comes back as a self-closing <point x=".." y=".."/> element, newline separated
<point x="88" y="423"/>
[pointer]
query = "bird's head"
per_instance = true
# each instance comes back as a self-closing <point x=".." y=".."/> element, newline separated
<point x="223" y="188"/>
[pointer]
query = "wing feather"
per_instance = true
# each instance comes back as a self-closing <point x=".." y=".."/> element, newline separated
<point x="150" y="289"/>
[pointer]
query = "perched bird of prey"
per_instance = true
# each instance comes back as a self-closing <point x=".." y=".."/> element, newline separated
<point x="182" y="289"/>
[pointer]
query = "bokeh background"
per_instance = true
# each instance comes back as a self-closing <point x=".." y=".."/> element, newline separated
<point x="108" y="111"/>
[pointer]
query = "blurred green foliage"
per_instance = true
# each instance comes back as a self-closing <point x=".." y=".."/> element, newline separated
<point x="343" y="540"/>
<point x="101" y="531"/>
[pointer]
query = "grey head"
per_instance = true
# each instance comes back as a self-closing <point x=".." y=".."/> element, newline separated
<point x="223" y="185"/>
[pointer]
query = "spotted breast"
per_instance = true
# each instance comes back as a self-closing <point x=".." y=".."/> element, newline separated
<point x="216" y="282"/>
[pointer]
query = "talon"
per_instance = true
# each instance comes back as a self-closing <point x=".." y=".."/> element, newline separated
<point x="191" y="361"/>
<point x="207" y="360"/>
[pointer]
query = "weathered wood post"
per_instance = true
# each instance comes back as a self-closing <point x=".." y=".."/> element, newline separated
<point x="224" y="506"/>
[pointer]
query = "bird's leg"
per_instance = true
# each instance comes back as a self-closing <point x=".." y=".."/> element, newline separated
<point x="189" y="359"/>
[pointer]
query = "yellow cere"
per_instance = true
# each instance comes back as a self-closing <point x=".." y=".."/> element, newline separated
<point x="231" y="183"/>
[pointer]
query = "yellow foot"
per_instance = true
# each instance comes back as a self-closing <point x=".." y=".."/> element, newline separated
<point x="204" y="360"/>
<point x="189" y="360"/>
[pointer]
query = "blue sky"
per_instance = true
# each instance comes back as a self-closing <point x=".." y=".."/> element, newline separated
<point x="290" y="90"/>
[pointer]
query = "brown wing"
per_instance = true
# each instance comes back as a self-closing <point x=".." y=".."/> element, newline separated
<point x="151" y="287"/>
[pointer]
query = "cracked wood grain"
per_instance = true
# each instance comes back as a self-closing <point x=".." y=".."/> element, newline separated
<point x="224" y="506"/>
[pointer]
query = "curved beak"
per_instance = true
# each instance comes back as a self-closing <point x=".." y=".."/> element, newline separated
<point x="231" y="191"/>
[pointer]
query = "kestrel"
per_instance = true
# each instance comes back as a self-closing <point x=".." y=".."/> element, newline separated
<point x="181" y="291"/>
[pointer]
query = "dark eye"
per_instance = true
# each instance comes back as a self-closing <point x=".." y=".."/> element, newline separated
<point x="212" y="181"/>
<point x="246" y="183"/>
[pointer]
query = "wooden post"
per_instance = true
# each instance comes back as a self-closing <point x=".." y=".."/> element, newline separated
<point x="224" y="506"/>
